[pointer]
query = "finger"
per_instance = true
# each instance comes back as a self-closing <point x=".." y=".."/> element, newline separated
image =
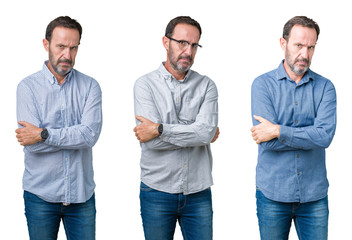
<point x="22" y="123"/>
<point x="258" y="118"/>
<point x="140" y="118"/>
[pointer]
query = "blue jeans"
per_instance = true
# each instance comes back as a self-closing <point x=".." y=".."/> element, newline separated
<point x="311" y="219"/>
<point x="160" y="212"/>
<point x="43" y="218"/>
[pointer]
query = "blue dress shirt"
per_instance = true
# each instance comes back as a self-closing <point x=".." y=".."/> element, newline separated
<point x="292" y="168"/>
<point x="60" y="169"/>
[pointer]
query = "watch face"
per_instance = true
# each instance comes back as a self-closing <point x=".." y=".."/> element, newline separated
<point x="44" y="134"/>
<point x="160" y="129"/>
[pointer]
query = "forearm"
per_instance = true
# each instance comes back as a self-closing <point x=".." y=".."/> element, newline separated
<point x="74" y="137"/>
<point x="41" y="147"/>
<point x="307" y="138"/>
<point x="159" y="144"/>
<point x="196" y="134"/>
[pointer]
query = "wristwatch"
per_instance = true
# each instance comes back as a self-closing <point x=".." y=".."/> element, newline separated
<point x="160" y="129"/>
<point x="44" y="134"/>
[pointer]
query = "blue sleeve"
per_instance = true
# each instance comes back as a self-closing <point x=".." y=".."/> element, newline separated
<point x="261" y="105"/>
<point x="322" y="132"/>
<point x="85" y="134"/>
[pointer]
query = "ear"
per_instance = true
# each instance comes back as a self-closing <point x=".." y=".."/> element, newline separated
<point x="46" y="44"/>
<point x="166" y="43"/>
<point x="283" y="43"/>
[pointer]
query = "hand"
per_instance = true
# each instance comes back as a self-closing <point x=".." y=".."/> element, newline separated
<point x="216" y="135"/>
<point x="265" y="131"/>
<point x="147" y="130"/>
<point x="29" y="134"/>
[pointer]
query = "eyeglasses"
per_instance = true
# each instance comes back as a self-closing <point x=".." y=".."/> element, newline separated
<point x="182" y="44"/>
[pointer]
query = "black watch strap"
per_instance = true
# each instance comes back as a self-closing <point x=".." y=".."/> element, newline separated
<point x="160" y="129"/>
<point x="44" y="134"/>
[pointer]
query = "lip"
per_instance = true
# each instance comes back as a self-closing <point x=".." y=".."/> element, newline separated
<point x="65" y="64"/>
<point x="185" y="60"/>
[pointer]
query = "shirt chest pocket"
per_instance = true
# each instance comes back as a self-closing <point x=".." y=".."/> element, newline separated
<point x="190" y="108"/>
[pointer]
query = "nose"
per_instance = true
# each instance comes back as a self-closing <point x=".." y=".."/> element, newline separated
<point x="304" y="52"/>
<point x="66" y="53"/>
<point x="188" y="49"/>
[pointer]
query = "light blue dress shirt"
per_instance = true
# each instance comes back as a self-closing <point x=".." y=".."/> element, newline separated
<point x="292" y="168"/>
<point x="60" y="169"/>
<point x="180" y="160"/>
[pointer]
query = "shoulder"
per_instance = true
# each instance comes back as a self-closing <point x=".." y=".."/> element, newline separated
<point x="320" y="80"/>
<point x="31" y="80"/>
<point x="81" y="77"/>
<point x="150" y="80"/>
<point x="149" y="77"/>
<point x="84" y="82"/>
<point x="201" y="79"/>
<point x="267" y="78"/>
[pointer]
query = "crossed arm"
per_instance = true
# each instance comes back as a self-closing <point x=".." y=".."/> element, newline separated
<point x="274" y="136"/>
<point x="202" y="131"/>
<point x="148" y="130"/>
<point x="82" y="135"/>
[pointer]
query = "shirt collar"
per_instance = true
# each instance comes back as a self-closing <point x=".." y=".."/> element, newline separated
<point x="282" y="74"/>
<point x="165" y="73"/>
<point x="50" y="76"/>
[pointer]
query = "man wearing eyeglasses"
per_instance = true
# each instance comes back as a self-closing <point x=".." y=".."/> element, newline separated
<point x="294" y="118"/>
<point x="177" y="115"/>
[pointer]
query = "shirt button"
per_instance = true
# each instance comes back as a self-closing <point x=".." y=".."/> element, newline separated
<point x="296" y="103"/>
<point x="296" y="121"/>
<point x="283" y="141"/>
<point x="298" y="155"/>
<point x="299" y="173"/>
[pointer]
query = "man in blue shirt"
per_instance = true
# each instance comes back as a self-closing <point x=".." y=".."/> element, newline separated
<point x="60" y="117"/>
<point x="177" y="115"/>
<point x="294" y="118"/>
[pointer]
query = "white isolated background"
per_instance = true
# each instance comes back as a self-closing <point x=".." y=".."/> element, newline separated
<point x="121" y="41"/>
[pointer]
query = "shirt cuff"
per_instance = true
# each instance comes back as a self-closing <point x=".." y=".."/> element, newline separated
<point x="51" y="138"/>
<point x="166" y="135"/>
<point x="286" y="135"/>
